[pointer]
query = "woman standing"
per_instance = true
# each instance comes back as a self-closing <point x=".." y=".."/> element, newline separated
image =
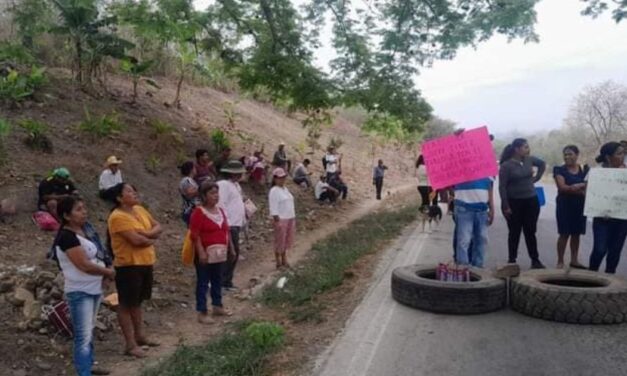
<point x="188" y="188"/>
<point x="209" y="230"/>
<point x="519" y="201"/>
<point x="133" y="233"/>
<point x="284" y="216"/>
<point x="571" y="190"/>
<point x="609" y="233"/>
<point x="423" y="182"/>
<point x="83" y="269"/>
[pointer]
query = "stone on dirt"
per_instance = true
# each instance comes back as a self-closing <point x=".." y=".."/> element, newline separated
<point x="21" y="296"/>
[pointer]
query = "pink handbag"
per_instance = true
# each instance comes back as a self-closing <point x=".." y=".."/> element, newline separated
<point x="45" y="221"/>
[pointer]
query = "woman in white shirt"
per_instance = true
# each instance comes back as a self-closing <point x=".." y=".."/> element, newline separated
<point x="83" y="270"/>
<point x="423" y="182"/>
<point x="281" y="204"/>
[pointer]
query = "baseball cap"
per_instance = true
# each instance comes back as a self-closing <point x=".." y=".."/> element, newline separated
<point x="279" y="173"/>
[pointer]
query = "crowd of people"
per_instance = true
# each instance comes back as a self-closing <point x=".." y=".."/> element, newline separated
<point x="214" y="209"/>
<point x="472" y="206"/>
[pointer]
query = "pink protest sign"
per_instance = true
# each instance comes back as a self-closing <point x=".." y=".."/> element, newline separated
<point x="455" y="159"/>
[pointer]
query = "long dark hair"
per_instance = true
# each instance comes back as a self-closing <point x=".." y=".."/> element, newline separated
<point x="420" y="161"/>
<point x="509" y="150"/>
<point x="186" y="168"/>
<point x="65" y="207"/>
<point x="607" y="150"/>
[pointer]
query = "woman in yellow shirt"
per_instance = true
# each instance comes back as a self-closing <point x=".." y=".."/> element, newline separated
<point x="133" y="233"/>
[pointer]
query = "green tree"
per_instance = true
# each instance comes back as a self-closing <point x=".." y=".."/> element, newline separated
<point x="32" y="17"/>
<point x="91" y="35"/>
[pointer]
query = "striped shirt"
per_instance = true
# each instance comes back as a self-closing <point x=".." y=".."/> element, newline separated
<point x="473" y="194"/>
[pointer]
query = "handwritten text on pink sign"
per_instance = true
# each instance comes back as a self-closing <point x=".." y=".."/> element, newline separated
<point x="455" y="159"/>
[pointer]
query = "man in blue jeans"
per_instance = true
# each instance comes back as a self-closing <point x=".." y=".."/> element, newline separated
<point x="474" y="212"/>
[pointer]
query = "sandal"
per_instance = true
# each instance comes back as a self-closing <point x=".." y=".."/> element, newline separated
<point x="136" y="352"/>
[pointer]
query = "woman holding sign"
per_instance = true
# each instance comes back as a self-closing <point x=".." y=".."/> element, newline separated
<point x="519" y="200"/>
<point x="571" y="190"/>
<point x="609" y="233"/>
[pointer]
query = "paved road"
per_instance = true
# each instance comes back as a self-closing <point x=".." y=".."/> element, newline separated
<point x="385" y="338"/>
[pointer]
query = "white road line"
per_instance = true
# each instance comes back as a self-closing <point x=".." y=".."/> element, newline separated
<point x="369" y="343"/>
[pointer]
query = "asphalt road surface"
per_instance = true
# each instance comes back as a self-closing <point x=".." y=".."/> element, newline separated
<point x="384" y="338"/>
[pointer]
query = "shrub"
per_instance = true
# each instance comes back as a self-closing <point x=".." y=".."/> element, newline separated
<point x="103" y="126"/>
<point x="264" y="334"/>
<point x="161" y="127"/>
<point x="36" y="135"/>
<point x="153" y="163"/>
<point x="15" y="54"/>
<point x="220" y="140"/>
<point x="16" y="86"/>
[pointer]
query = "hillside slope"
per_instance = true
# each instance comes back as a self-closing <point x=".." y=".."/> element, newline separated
<point x="150" y="162"/>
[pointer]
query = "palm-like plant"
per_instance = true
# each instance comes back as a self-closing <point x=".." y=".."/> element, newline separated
<point x="137" y="70"/>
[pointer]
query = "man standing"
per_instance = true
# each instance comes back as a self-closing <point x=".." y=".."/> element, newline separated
<point x="474" y="212"/>
<point x="377" y="177"/>
<point x="331" y="163"/>
<point x="280" y="158"/>
<point x="232" y="201"/>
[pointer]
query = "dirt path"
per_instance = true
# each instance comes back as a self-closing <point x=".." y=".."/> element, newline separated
<point x="175" y="324"/>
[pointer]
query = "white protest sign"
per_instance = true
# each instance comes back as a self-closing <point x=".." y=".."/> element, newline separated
<point x="606" y="194"/>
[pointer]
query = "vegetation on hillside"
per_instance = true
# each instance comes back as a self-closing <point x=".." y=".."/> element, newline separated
<point x="267" y="48"/>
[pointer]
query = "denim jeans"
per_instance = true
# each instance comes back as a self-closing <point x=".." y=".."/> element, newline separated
<point x="83" y="309"/>
<point x="471" y="228"/>
<point x="609" y="239"/>
<point x="205" y="274"/>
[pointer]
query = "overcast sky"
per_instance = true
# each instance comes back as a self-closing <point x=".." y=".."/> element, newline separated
<point x="529" y="87"/>
<point x="516" y="86"/>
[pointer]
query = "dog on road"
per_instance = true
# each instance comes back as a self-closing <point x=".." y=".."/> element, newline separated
<point x="430" y="214"/>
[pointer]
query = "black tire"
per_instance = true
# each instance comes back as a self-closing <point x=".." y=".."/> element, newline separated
<point x="534" y="293"/>
<point x="410" y="287"/>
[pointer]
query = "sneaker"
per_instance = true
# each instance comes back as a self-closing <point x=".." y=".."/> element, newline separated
<point x="536" y="264"/>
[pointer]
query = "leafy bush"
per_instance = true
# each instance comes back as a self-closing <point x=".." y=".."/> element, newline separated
<point x="153" y="163"/>
<point x="15" y="54"/>
<point x="265" y="334"/>
<point x="161" y="127"/>
<point x="16" y="86"/>
<point x="36" y="135"/>
<point x="102" y="126"/>
<point x="220" y="140"/>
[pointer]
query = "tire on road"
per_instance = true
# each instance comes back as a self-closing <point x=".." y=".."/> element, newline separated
<point x="417" y="287"/>
<point x="574" y="296"/>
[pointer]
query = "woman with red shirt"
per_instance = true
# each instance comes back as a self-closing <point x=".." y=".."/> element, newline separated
<point x="210" y="235"/>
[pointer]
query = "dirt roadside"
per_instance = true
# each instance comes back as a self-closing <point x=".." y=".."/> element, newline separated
<point x="183" y="329"/>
